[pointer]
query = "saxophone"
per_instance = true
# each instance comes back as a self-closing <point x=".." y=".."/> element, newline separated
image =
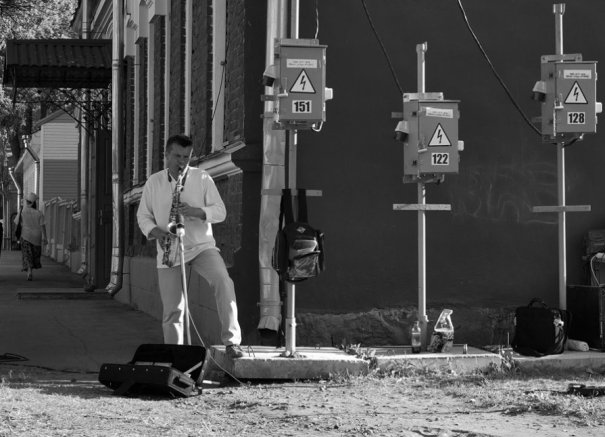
<point x="176" y="223"/>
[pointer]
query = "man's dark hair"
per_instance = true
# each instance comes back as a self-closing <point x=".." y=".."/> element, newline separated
<point x="180" y="139"/>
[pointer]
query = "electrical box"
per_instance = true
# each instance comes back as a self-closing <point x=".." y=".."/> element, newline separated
<point x="568" y="91"/>
<point x="300" y="84"/>
<point x="431" y="147"/>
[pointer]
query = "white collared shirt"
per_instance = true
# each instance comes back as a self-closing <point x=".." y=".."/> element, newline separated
<point x="200" y="192"/>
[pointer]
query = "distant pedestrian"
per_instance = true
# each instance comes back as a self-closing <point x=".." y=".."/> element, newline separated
<point x="33" y="234"/>
<point x="1" y="234"/>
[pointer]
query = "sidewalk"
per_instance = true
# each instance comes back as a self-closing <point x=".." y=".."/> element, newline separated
<point x="55" y="324"/>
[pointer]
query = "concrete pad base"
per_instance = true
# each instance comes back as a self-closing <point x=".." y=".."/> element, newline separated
<point x="568" y="360"/>
<point x="266" y="362"/>
<point x="401" y="358"/>
<point x="60" y="293"/>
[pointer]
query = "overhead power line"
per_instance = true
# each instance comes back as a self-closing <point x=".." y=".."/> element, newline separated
<point x="508" y="93"/>
<point x="384" y="50"/>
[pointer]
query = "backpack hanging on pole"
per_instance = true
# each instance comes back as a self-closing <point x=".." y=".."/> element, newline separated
<point x="298" y="253"/>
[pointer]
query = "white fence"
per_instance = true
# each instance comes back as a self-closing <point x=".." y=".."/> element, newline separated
<point x="63" y="229"/>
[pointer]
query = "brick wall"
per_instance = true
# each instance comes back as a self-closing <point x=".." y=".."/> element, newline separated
<point x="234" y="71"/>
<point x="201" y="58"/>
<point x="159" y="95"/>
<point x="137" y="243"/>
<point x="177" y="68"/>
<point x="142" y="86"/>
<point x="128" y="110"/>
<point x="228" y="235"/>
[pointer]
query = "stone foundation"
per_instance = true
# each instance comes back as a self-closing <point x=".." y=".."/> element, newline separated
<point x="391" y="326"/>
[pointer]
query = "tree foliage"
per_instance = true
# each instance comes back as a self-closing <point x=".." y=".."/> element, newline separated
<point x="25" y="19"/>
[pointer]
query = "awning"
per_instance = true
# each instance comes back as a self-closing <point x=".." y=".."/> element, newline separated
<point x="58" y="63"/>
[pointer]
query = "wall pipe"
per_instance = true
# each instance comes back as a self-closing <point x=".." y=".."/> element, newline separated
<point x="11" y="172"/>
<point x="84" y="144"/>
<point x="273" y="176"/>
<point x="117" y="252"/>
<point x="5" y="218"/>
<point x="26" y="139"/>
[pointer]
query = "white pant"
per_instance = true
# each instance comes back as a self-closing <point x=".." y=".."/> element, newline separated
<point x="210" y="265"/>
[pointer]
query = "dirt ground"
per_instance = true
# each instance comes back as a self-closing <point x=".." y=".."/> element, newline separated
<point x="38" y="402"/>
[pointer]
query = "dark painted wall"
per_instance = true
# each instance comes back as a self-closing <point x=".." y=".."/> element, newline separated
<point x="491" y="249"/>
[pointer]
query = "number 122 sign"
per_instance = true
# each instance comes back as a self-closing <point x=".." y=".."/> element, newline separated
<point x="440" y="158"/>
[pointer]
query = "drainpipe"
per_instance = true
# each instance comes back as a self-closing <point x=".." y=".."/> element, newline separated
<point x="26" y="139"/>
<point x="273" y="178"/>
<point x="11" y="172"/>
<point x="4" y="218"/>
<point x="34" y="156"/>
<point x="117" y="253"/>
<point x="84" y="144"/>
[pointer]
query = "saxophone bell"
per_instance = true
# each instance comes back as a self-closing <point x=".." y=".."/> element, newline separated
<point x="177" y="226"/>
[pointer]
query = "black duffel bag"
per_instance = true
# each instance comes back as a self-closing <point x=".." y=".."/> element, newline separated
<point x="540" y="330"/>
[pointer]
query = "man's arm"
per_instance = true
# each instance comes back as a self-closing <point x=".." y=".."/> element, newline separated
<point x="145" y="216"/>
<point x="44" y="240"/>
<point x="213" y="210"/>
<point x="42" y="224"/>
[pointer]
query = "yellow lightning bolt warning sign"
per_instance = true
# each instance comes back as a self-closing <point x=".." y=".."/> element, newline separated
<point x="302" y="84"/>
<point x="575" y="94"/>
<point x="439" y="137"/>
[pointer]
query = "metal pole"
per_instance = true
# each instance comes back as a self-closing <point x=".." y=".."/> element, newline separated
<point x="294" y="14"/>
<point x="291" y="157"/>
<point x="559" y="10"/>
<point x="181" y="235"/>
<point x="422" y="316"/>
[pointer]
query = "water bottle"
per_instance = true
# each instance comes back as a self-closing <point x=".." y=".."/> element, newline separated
<point x="416" y="338"/>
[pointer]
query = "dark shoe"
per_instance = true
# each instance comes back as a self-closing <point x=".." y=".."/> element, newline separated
<point x="233" y="351"/>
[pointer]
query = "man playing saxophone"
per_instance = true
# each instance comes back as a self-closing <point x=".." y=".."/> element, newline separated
<point x="199" y="205"/>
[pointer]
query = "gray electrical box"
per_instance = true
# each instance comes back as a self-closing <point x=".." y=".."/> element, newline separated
<point x="300" y="85"/>
<point x="568" y="90"/>
<point x="431" y="147"/>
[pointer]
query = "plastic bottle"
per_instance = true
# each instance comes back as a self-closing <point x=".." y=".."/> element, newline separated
<point x="442" y="339"/>
<point x="416" y="338"/>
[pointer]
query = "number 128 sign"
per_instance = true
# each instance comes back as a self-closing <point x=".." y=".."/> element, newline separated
<point x="576" y="118"/>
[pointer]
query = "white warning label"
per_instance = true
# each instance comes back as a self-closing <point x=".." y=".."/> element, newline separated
<point x="439" y="137"/>
<point x="575" y="95"/>
<point x="439" y="112"/>
<point x="302" y="84"/>
<point x="577" y="74"/>
<point x="301" y="63"/>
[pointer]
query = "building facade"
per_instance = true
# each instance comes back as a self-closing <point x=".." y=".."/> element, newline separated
<point x="196" y="67"/>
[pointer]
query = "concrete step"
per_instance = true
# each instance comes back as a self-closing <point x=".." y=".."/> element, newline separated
<point x="401" y="358"/>
<point x="567" y="361"/>
<point x="267" y="362"/>
<point x="60" y="293"/>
